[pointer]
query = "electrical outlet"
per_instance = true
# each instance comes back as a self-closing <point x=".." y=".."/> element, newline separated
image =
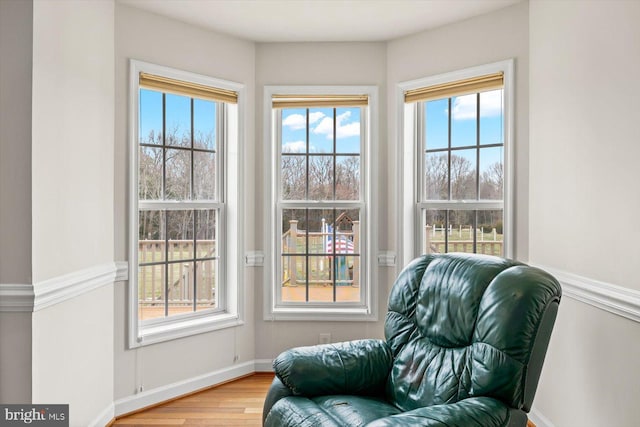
<point x="140" y="389"/>
<point x="324" y="339"/>
<point x="235" y="358"/>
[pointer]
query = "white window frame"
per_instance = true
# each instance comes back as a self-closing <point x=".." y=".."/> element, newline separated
<point x="366" y="309"/>
<point x="230" y="310"/>
<point x="410" y="224"/>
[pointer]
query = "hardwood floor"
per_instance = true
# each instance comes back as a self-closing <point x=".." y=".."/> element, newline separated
<point x="238" y="403"/>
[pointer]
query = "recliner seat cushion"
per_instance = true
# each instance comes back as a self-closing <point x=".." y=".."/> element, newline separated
<point x="339" y="410"/>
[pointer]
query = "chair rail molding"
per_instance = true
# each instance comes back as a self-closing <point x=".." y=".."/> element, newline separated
<point x="16" y="298"/>
<point x="615" y="299"/>
<point x="67" y="286"/>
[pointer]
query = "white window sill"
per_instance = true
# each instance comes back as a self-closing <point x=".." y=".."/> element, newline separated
<point x="152" y="334"/>
<point x="322" y="314"/>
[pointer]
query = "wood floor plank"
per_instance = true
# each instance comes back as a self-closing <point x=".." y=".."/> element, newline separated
<point x="236" y="403"/>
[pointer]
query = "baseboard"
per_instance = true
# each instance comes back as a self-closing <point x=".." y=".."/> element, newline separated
<point x="538" y="419"/>
<point x="264" y="365"/>
<point x="104" y="418"/>
<point x="180" y="388"/>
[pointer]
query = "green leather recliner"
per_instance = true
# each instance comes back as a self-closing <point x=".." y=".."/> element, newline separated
<point x="466" y="336"/>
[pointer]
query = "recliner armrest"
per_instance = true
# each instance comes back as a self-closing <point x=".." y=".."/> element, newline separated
<point x="353" y="367"/>
<point x="471" y="412"/>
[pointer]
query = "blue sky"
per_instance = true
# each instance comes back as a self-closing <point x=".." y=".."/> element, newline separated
<point x="463" y="125"/>
<point x="178" y="115"/>
<point x="321" y="130"/>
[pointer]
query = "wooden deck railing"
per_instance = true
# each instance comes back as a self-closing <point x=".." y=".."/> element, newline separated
<point x="185" y="276"/>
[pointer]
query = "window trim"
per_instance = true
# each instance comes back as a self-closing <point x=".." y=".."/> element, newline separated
<point x="409" y="221"/>
<point x="367" y="309"/>
<point x="231" y="311"/>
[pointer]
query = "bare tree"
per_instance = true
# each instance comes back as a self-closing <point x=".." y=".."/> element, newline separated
<point x="492" y="182"/>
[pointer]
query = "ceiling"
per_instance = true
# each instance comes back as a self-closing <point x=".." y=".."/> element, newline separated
<point x="319" y="20"/>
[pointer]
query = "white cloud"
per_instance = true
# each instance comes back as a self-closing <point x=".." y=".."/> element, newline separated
<point x="351" y="129"/>
<point x="299" y="121"/>
<point x="314" y="117"/>
<point x="294" y="147"/>
<point x="343" y="130"/>
<point x="295" y="122"/>
<point x="325" y="127"/>
<point x="464" y="107"/>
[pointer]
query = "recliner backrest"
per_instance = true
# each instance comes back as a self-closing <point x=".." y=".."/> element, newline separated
<point x="463" y="325"/>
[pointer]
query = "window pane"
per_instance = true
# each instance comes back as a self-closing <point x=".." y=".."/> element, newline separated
<point x="320" y="229"/>
<point x="206" y="280"/>
<point x="344" y="235"/>
<point x="461" y="225"/>
<point x="348" y="279"/>
<point x="463" y="175"/>
<point x="181" y="277"/>
<point x="178" y="175"/>
<point x="491" y="173"/>
<point x="321" y="130"/>
<point x="348" y="130"/>
<point x="180" y="233"/>
<point x="436" y="176"/>
<point x="490" y="232"/>
<point x="347" y="177"/>
<point x="293" y="130"/>
<point x="150" y="117"/>
<point x="150" y="173"/>
<point x="178" y="120"/>
<point x="321" y="178"/>
<point x="437" y="124"/>
<point x="434" y="231"/>
<point x="206" y="232"/>
<point x="151" y="291"/>
<point x="294" y="227"/>
<point x="320" y="273"/>
<point x="204" y="175"/>
<point x="294" y="276"/>
<point x="491" y="124"/>
<point x="204" y="124"/>
<point x="294" y="177"/>
<point x="151" y="235"/>
<point x="463" y="120"/>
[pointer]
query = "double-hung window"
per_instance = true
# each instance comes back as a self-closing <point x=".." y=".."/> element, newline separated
<point x="462" y="141"/>
<point x="321" y="196"/>
<point x="184" y="126"/>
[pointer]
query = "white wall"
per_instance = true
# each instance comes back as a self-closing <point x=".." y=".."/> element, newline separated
<point x="320" y="64"/>
<point x="72" y="148"/>
<point x="152" y="38"/>
<point x="16" y="28"/>
<point x="72" y="200"/>
<point x="481" y="40"/>
<point x="584" y="199"/>
<point x="73" y="355"/>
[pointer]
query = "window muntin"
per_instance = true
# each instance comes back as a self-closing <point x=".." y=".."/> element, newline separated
<point x="320" y="206"/>
<point x="461" y="190"/>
